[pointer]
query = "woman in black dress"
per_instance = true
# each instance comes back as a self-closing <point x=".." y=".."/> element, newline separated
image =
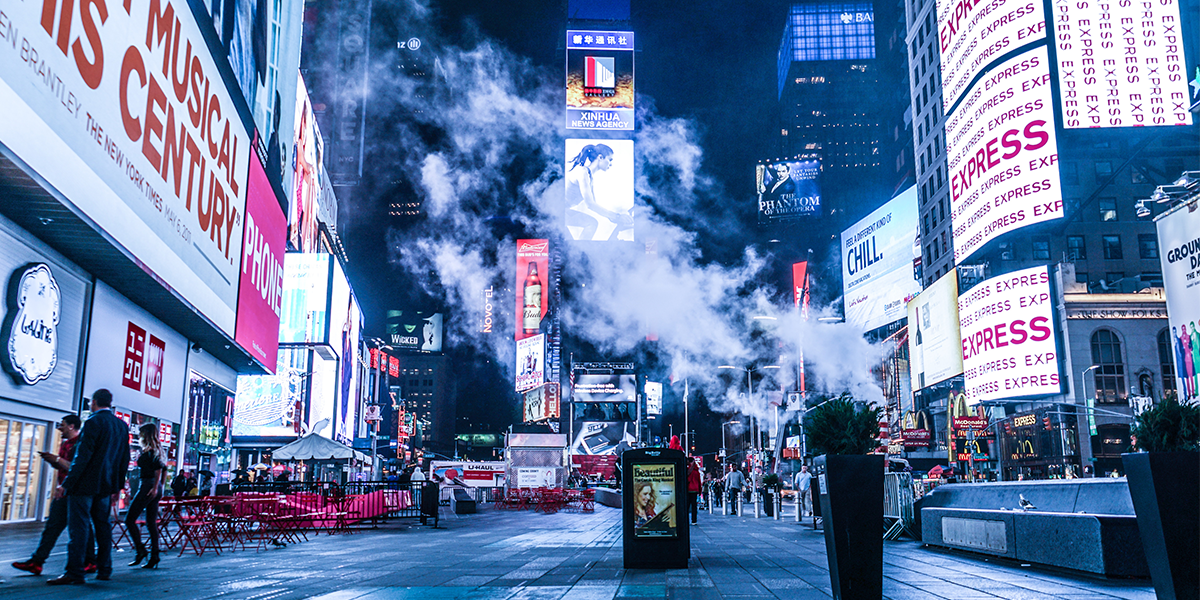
<point x="153" y="475"/>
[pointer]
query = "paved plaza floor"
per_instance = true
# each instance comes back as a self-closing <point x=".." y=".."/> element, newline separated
<point x="523" y="555"/>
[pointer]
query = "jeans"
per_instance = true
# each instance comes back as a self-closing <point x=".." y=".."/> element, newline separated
<point x="84" y="513"/>
<point x="804" y="501"/>
<point x="694" y="505"/>
<point x="735" y="500"/>
<point x="143" y="501"/>
<point x="56" y="522"/>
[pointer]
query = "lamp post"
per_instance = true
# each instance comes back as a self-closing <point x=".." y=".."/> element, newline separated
<point x="1089" y="401"/>
<point x="754" y="441"/>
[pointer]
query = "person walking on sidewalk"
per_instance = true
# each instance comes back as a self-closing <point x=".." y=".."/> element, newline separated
<point x="734" y="482"/>
<point x="97" y="472"/>
<point x="56" y="520"/>
<point x="693" y="478"/>
<point x="803" y="490"/>
<point x="152" y="468"/>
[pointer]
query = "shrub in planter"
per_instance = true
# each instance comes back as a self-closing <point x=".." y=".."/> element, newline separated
<point x="850" y="486"/>
<point x="1163" y="483"/>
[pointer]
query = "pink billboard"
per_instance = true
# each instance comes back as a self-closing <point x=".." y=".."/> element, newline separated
<point x="260" y="290"/>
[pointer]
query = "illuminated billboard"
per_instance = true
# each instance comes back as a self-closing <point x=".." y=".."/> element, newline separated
<point x="878" y="256"/>
<point x="1179" y="253"/>
<point x="801" y="286"/>
<point x="543" y="402"/>
<point x="90" y="105"/>
<point x="268" y="405"/>
<point x="307" y="158"/>
<point x="934" y="347"/>
<point x="602" y="437"/>
<point x="1002" y="154"/>
<point x="600" y="80"/>
<point x="788" y="189"/>
<point x="1121" y="64"/>
<point x="531" y="362"/>
<point x="346" y="322"/>
<point x="1009" y="344"/>
<point x="532" y="283"/>
<point x="305" y="318"/>
<point x="972" y="35"/>
<point x="593" y="387"/>
<point x="415" y="330"/>
<point x="599" y="189"/>
<point x="260" y="295"/>
<point x="829" y="31"/>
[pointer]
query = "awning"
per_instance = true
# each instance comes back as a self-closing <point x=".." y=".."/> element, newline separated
<point x="315" y="447"/>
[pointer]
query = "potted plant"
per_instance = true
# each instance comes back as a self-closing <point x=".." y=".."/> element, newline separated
<point x="850" y="487"/>
<point x="1163" y="478"/>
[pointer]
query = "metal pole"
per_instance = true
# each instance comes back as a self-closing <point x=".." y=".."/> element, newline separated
<point x="687" y="449"/>
<point x="778" y="506"/>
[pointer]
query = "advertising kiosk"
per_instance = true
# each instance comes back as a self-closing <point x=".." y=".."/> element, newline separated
<point x="655" y="509"/>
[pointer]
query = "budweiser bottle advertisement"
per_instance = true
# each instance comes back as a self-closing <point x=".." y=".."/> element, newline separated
<point x="533" y="301"/>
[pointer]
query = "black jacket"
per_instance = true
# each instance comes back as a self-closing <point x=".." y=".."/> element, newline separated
<point x="101" y="459"/>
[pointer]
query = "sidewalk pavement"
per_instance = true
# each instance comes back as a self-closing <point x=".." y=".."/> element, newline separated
<point x="524" y="555"/>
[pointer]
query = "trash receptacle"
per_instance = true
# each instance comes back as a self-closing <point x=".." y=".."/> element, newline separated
<point x="655" y="508"/>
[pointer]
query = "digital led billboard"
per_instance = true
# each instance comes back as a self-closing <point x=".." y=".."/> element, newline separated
<point x="934" y="346"/>
<point x="602" y="437"/>
<point x="531" y="362"/>
<point x="1002" y="154"/>
<point x="532" y="283"/>
<point x="90" y="106"/>
<point x="592" y="387"/>
<point x="1179" y="253"/>
<point x="1121" y="64"/>
<point x="788" y="189"/>
<point x="305" y="316"/>
<point x="599" y="190"/>
<point x="829" y="31"/>
<point x="346" y="321"/>
<point x="415" y="330"/>
<point x="600" y="89"/>
<point x="878" y="256"/>
<point x="972" y="35"/>
<point x="268" y="405"/>
<point x="543" y="402"/>
<point x="307" y="157"/>
<point x="260" y="295"/>
<point x="1009" y="341"/>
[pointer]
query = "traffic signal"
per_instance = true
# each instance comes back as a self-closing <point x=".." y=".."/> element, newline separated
<point x="1046" y="423"/>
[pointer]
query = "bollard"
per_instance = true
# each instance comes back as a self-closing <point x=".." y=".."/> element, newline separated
<point x="757" y="497"/>
<point x="724" y="505"/>
<point x="778" y="506"/>
<point x="709" y="500"/>
<point x="799" y="505"/>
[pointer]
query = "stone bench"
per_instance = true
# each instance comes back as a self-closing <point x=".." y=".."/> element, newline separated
<point x="1083" y="524"/>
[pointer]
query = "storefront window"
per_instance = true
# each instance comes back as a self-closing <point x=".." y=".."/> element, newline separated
<point x="23" y="471"/>
<point x="1110" y="368"/>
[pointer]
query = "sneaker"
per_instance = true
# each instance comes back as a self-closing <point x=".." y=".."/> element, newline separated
<point x="29" y="566"/>
<point x="90" y="568"/>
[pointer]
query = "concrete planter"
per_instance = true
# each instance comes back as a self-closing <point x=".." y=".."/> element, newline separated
<point x="851" y="500"/>
<point x="1163" y="486"/>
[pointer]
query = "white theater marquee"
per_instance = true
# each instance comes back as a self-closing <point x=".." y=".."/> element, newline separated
<point x="1009" y="346"/>
<point x="972" y="34"/>
<point x="1120" y="64"/>
<point x="1002" y="153"/>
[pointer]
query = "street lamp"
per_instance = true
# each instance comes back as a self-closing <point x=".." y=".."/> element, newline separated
<point x="1090" y="402"/>
<point x="750" y="394"/>
<point x="724" y="453"/>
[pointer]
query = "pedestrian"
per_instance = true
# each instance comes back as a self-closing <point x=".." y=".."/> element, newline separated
<point x="96" y="474"/>
<point x="179" y="485"/>
<point x="803" y="490"/>
<point x="734" y="482"/>
<point x="56" y="520"/>
<point x="693" y="475"/>
<point x="152" y="471"/>
<point x="674" y="444"/>
<point x="418" y="475"/>
<point x="758" y="479"/>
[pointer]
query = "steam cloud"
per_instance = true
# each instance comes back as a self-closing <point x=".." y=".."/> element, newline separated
<point x="498" y="150"/>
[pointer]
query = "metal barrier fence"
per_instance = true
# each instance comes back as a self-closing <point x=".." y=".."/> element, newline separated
<point x="373" y="500"/>
<point x="897" y="503"/>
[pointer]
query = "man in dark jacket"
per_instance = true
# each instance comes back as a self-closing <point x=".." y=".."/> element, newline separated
<point x="97" y="472"/>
